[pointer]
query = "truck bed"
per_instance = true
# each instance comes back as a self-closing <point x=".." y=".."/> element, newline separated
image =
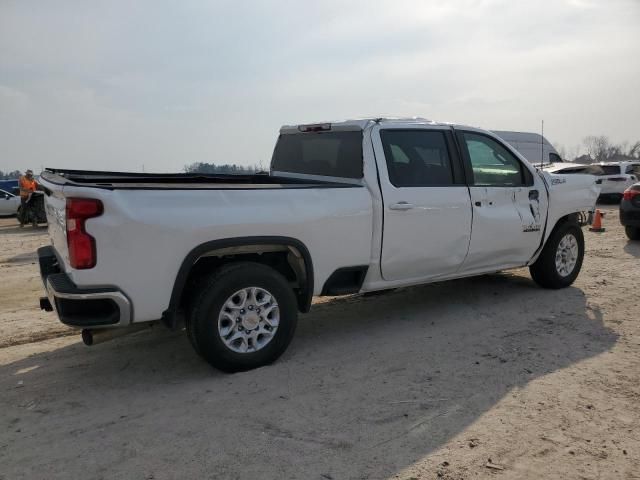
<point x="180" y="181"/>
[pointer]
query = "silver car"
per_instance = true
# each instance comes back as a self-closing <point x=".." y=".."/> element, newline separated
<point x="9" y="203"/>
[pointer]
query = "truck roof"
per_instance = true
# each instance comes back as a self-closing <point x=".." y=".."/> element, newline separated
<point x="360" y="124"/>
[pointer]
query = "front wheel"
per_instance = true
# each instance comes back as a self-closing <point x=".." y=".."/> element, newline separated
<point x="244" y="317"/>
<point x="561" y="259"/>
<point x="633" y="233"/>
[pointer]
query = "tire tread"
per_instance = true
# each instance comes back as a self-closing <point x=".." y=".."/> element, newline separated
<point x="543" y="270"/>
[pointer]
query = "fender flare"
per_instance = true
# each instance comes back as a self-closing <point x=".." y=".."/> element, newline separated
<point x="304" y="296"/>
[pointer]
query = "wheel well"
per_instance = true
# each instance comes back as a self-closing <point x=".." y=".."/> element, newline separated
<point x="282" y="260"/>
<point x="575" y="217"/>
<point x="579" y="218"/>
<point x="287" y="256"/>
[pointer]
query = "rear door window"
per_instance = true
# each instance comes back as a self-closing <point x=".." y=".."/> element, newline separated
<point x="417" y="158"/>
<point x="330" y="154"/>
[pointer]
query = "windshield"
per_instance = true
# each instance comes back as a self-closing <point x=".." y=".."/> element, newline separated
<point x="330" y="154"/>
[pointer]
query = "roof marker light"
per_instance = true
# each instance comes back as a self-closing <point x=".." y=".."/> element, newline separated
<point x="318" y="127"/>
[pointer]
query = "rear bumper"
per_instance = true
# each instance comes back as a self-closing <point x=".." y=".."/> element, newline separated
<point x="81" y="307"/>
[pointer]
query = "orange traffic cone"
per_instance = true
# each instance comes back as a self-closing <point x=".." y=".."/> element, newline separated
<point x="596" y="226"/>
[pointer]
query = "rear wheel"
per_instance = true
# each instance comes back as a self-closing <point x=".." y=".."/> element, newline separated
<point x="633" y="233"/>
<point x="561" y="259"/>
<point x="244" y="317"/>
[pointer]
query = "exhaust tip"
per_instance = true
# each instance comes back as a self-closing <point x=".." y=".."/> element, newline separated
<point x="87" y="337"/>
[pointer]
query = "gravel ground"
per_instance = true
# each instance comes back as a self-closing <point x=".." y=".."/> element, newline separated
<point x="477" y="378"/>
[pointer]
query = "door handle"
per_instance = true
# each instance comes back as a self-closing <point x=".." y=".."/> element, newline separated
<point x="401" y="206"/>
<point x="534" y="195"/>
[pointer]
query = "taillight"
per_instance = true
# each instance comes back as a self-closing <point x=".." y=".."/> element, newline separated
<point x="82" y="246"/>
<point x="630" y="194"/>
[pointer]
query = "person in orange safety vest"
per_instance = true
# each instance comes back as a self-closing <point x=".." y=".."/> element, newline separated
<point x="28" y="185"/>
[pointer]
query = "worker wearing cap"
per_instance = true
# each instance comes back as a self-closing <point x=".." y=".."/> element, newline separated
<point x="28" y="185"/>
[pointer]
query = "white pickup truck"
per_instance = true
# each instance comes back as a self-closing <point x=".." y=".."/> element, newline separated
<point x="348" y="207"/>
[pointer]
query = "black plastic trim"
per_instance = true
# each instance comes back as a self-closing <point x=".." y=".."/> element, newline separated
<point x="87" y="313"/>
<point x="345" y="281"/>
<point x="75" y="312"/>
<point x="48" y="261"/>
<point x="183" y="181"/>
<point x="304" y="297"/>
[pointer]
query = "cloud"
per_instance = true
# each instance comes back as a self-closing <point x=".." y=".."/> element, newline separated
<point x="115" y="85"/>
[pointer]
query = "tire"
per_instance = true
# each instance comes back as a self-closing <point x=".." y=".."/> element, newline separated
<point x="191" y="335"/>
<point x="545" y="271"/>
<point x="633" y="233"/>
<point x="262" y="330"/>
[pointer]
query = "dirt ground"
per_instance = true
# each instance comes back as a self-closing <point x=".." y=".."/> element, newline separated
<point x="490" y="377"/>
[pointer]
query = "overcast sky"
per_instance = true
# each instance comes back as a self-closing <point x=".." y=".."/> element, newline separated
<point x="118" y="85"/>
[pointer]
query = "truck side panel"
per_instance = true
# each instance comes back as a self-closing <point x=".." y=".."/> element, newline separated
<point x="144" y="235"/>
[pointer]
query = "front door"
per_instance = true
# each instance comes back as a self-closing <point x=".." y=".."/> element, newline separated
<point x="427" y="211"/>
<point x="509" y="202"/>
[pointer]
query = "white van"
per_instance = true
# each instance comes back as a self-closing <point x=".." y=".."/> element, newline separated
<point x="532" y="146"/>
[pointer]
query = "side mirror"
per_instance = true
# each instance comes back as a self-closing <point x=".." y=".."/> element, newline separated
<point x="7" y="196"/>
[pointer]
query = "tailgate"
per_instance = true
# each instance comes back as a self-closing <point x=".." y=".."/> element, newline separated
<point x="55" y="203"/>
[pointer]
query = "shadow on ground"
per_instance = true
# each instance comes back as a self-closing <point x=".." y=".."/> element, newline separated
<point x="368" y="387"/>
<point x="13" y="229"/>
<point x="633" y="248"/>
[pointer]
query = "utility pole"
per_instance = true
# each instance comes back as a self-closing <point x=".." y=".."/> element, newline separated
<point x="542" y="146"/>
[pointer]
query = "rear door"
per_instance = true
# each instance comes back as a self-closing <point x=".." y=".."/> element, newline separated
<point x="426" y="206"/>
<point x="509" y="204"/>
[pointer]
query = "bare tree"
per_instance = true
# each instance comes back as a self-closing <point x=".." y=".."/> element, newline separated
<point x="562" y="151"/>
<point x="574" y="153"/>
<point x="634" y="150"/>
<point x="598" y="147"/>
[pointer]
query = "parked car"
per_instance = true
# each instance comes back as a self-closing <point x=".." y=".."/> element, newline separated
<point x="10" y="186"/>
<point x="569" y="168"/>
<point x="630" y="211"/>
<point x="9" y="203"/>
<point x="617" y="177"/>
<point x="348" y="207"/>
<point x="532" y="146"/>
